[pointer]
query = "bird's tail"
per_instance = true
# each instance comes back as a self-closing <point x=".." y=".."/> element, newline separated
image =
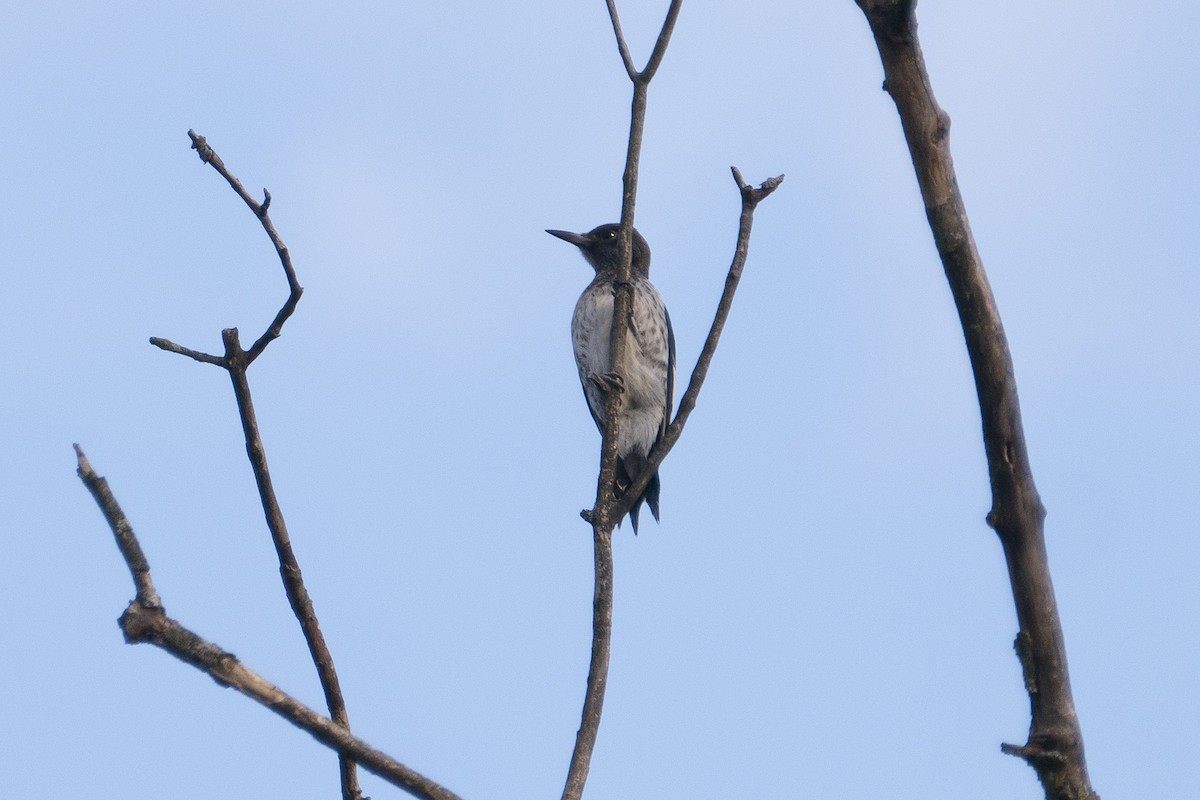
<point x="629" y="468"/>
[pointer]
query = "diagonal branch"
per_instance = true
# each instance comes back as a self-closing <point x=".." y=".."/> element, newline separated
<point x="146" y="621"/>
<point x="660" y="45"/>
<point x="289" y="567"/>
<point x="751" y="196"/>
<point x="127" y="543"/>
<point x="1055" y="744"/>
<point x="622" y="47"/>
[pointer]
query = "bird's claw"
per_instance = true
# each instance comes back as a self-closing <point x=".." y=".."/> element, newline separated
<point x="609" y="381"/>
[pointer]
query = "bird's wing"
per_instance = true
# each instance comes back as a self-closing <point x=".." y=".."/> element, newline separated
<point x="670" y="398"/>
<point x="587" y="396"/>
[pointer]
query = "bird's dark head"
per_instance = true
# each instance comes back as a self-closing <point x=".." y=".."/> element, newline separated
<point x="601" y="247"/>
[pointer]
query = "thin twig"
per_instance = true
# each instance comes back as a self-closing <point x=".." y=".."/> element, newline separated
<point x="210" y="157"/>
<point x="171" y="347"/>
<point x="751" y="196"/>
<point x="622" y="47"/>
<point x="660" y="45"/>
<point x="127" y="543"/>
<point x="145" y="620"/>
<point x="1055" y="744"/>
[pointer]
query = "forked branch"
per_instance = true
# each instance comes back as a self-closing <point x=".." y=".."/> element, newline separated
<point x="236" y="362"/>
<point x="609" y="508"/>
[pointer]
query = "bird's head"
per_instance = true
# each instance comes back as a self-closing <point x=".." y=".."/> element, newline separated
<point x="601" y="247"/>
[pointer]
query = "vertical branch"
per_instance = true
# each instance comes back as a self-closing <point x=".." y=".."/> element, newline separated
<point x="602" y="516"/>
<point x="1055" y="744"/>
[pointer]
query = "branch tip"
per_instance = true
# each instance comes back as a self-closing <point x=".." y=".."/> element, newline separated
<point x="755" y="194"/>
<point x="171" y="347"/>
<point x="85" y="468"/>
<point x="1035" y="755"/>
<point x="200" y="145"/>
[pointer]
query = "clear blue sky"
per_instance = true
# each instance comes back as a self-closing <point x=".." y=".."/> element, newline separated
<point x="821" y="613"/>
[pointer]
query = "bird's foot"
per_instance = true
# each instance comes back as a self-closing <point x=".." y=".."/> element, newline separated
<point x="609" y="381"/>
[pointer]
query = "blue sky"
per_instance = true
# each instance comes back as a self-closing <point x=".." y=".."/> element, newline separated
<point x="822" y="600"/>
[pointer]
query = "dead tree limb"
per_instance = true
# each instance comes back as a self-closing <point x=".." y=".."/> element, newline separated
<point x="145" y="620"/>
<point x="236" y="362"/>
<point x="1055" y="743"/>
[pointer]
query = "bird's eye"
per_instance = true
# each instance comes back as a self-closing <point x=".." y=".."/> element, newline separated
<point x="612" y="234"/>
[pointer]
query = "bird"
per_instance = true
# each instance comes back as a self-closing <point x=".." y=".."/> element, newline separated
<point x="648" y="384"/>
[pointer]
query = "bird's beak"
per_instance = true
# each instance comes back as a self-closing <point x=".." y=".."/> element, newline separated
<point x="576" y="239"/>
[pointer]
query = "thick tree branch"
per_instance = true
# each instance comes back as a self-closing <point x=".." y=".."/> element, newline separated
<point x="146" y="621"/>
<point x="1055" y="744"/>
<point x="236" y="361"/>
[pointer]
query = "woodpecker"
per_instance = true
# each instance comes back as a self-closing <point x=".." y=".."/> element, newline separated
<point x="648" y="385"/>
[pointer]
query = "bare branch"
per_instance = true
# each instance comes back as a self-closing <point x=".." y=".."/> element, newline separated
<point x="236" y="361"/>
<point x="171" y="347"/>
<point x="141" y="624"/>
<point x="751" y="196"/>
<point x="209" y="156"/>
<point x="660" y="46"/>
<point x="1055" y="744"/>
<point x="626" y="58"/>
<point x="146" y="621"/>
<point x="127" y="543"/>
<point x="289" y="566"/>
